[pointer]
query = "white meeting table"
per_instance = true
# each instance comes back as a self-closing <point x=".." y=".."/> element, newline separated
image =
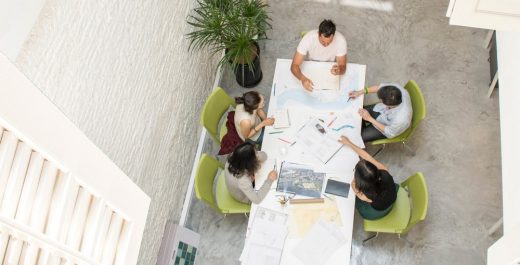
<point x="288" y="93"/>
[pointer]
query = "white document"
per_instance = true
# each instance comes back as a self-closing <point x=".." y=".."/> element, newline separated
<point x="319" y="140"/>
<point x="281" y="119"/>
<point x="320" y="75"/>
<point x="267" y="238"/>
<point x="319" y="244"/>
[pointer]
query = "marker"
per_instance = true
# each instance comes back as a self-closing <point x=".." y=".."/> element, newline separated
<point x="276" y="132"/>
<point x="332" y="121"/>
<point x="284" y="141"/>
<point x="344" y="126"/>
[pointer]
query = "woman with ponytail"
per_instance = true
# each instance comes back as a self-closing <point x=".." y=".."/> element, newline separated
<point x="375" y="189"/>
<point x="250" y="117"/>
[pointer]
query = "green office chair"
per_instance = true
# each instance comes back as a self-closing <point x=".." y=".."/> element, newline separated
<point x="220" y="200"/>
<point x="215" y="107"/>
<point x="409" y="209"/>
<point x="419" y="113"/>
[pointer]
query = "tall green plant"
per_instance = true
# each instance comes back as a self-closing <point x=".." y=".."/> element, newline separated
<point x="231" y="25"/>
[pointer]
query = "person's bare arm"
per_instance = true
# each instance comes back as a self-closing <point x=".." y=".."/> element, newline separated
<point x="362" y="153"/>
<point x="357" y="93"/>
<point x="261" y="114"/>
<point x="358" y="193"/>
<point x="297" y="72"/>
<point x="249" y="131"/>
<point x="341" y="65"/>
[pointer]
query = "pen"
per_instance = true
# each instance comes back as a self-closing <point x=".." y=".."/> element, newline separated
<point x="332" y="121"/>
<point x="349" y="98"/>
<point x="274" y="167"/>
<point x="325" y="195"/>
<point x="284" y="140"/>
<point x="274" y="90"/>
<point x="276" y="132"/>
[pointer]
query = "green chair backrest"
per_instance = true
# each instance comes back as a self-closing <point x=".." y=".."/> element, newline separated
<point x="418" y="106"/>
<point x="204" y="179"/>
<point x="416" y="186"/>
<point x="216" y="105"/>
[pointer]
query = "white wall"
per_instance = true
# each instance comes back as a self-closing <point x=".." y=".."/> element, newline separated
<point x="120" y="70"/>
<point x="488" y="14"/>
<point x="17" y="18"/>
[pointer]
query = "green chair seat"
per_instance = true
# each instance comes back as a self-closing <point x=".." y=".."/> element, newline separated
<point x="394" y="221"/>
<point x="225" y="202"/>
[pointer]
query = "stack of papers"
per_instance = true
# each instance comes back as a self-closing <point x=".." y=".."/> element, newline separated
<point x="264" y="244"/>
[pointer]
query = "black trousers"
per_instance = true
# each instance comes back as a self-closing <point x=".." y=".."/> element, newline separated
<point x="368" y="132"/>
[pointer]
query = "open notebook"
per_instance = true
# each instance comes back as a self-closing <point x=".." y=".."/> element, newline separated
<point x="321" y="76"/>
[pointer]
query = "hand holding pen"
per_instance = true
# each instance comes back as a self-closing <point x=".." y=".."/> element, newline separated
<point x="273" y="175"/>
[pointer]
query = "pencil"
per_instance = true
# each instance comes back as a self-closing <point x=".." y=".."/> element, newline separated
<point x="284" y="140"/>
<point x="276" y="132"/>
<point x="332" y="121"/>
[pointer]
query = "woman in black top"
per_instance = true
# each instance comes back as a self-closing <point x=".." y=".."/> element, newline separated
<point x="375" y="189"/>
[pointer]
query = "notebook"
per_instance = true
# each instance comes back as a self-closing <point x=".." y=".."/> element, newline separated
<point x="337" y="188"/>
<point x="321" y="76"/>
<point x="281" y="119"/>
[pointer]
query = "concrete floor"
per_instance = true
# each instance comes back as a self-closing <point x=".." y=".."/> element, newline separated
<point x="456" y="147"/>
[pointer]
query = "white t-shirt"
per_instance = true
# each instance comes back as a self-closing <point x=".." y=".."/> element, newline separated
<point x="310" y="45"/>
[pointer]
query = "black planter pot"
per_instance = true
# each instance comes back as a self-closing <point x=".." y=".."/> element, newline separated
<point x="247" y="77"/>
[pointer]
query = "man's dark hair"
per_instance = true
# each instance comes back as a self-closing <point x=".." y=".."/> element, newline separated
<point x="327" y="28"/>
<point x="390" y="95"/>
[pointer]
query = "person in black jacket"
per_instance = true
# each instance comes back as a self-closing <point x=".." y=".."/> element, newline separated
<point x="375" y="189"/>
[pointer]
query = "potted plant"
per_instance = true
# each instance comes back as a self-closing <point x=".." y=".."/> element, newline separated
<point x="234" y="26"/>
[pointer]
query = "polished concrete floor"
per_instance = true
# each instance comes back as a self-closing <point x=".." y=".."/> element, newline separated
<point x="457" y="147"/>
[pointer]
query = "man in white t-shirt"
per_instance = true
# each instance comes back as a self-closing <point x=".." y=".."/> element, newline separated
<point x="324" y="44"/>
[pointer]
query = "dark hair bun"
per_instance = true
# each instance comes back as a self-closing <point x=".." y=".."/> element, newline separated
<point x="239" y="100"/>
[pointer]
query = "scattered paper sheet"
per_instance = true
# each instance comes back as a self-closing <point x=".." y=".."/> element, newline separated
<point x="319" y="140"/>
<point x="302" y="217"/>
<point x="281" y="119"/>
<point x="319" y="244"/>
<point x="266" y="239"/>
